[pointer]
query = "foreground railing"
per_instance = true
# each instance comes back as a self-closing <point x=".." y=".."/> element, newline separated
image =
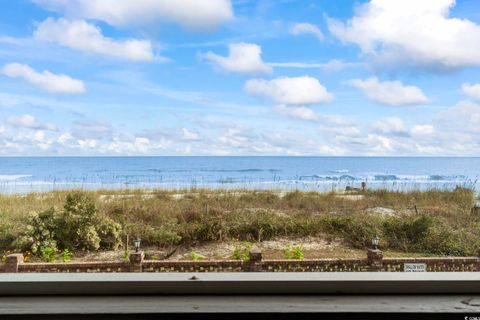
<point x="373" y="262"/>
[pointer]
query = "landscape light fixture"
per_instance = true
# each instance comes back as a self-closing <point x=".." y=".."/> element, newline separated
<point x="375" y="240"/>
<point x="136" y="244"/>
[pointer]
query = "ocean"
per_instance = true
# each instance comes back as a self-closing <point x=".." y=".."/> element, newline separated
<point x="32" y="174"/>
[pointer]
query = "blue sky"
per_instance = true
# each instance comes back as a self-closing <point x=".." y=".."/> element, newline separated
<point x="239" y="77"/>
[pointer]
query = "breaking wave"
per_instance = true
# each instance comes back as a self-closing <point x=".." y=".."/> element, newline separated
<point x="386" y="178"/>
<point x="13" y="177"/>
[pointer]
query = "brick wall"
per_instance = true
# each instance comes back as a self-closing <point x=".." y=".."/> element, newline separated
<point x="194" y="266"/>
<point x="373" y="262"/>
<point x="75" y="267"/>
<point x="320" y="265"/>
<point x="470" y="264"/>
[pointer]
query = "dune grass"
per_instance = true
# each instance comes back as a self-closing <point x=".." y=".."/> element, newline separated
<point x="431" y="222"/>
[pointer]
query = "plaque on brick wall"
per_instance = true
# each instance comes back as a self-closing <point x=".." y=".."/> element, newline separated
<point x="415" y="267"/>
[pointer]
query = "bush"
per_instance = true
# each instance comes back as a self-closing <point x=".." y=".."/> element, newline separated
<point x="66" y="255"/>
<point x="196" y="257"/>
<point x="407" y="234"/>
<point x="442" y="239"/>
<point x="356" y="230"/>
<point x="77" y="227"/>
<point x="294" y="252"/>
<point x="39" y="232"/>
<point x="48" y="254"/>
<point x="242" y="251"/>
<point x="258" y="226"/>
<point x="168" y="234"/>
<point x="7" y="236"/>
<point x="206" y="228"/>
<point x="110" y="234"/>
<point x="126" y="255"/>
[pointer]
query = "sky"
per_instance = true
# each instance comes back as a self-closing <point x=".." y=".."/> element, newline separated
<point x="240" y="77"/>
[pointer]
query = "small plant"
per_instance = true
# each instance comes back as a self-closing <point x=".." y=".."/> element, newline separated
<point x="48" y="254"/>
<point x="294" y="252"/>
<point x="4" y="256"/>
<point x="126" y="255"/>
<point x="26" y="256"/>
<point x="66" y="255"/>
<point x="242" y="251"/>
<point x="196" y="257"/>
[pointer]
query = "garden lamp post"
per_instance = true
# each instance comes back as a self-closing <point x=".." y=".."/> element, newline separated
<point x="136" y="244"/>
<point x="375" y="240"/>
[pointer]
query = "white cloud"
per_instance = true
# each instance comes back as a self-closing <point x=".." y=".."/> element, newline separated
<point x="242" y="58"/>
<point x="29" y="121"/>
<point x="189" y="135"/>
<point x="346" y="131"/>
<point x="392" y="93"/>
<point x="422" y="130"/>
<point x="86" y="37"/>
<point x="127" y="146"/>
<point x="331" y="65"/>
<point x="55" y="83"/>
<point x="471" y="90"/>
<point x="235" y="138"/>
<point x="141" y="144"/>
<point x="290" y="91"/>
<point x="39" y="136"/>
<point x="306" y="28"/>
<point x="85" y="130"/>
<point x="390" y="125"/>
<point x="87" y="143"/>
<point x="418" y="32"/>
<point x="464" y="117"/>
<point x="302" y="113"/>
<point x="191" y="14"/>
<point x="64" y="137"/>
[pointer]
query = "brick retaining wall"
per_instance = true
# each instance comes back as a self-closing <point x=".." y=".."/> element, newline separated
<point x="373" y="262"/>
<point x="194" y="266"/>
<point x="465" y="264"/>
<point x="317" y="265"/>
<point x="110" y="266"/>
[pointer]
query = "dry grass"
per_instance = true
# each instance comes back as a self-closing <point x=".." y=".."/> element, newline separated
<point x="441" y="224"/>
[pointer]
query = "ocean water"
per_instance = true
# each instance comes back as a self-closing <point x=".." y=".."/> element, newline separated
<point x="28" y="174"/>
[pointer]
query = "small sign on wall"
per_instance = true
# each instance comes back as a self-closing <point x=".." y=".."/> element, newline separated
<point x="415" y="267"/>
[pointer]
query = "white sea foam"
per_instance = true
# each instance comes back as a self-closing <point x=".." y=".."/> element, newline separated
<point x="340" y="171"/>
<point x="12" y="177"/>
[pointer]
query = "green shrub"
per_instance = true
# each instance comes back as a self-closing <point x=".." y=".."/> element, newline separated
<point x="242" y="251"/>
<point x="196" y="257"/>
<point x="443" y="239"/>
<point x="110" y="234"/>
<point x="7" y="236"/>
<point x="206" y="228"/>
<point x="253" y="226"/>
<point x="168" y="234"/>
<point x="77" y="227"/>
<point x="408" y="233"/>
<point x="294" y="252"/>
<point x="48" y="254"/>
<point x="126" y="255"/>
<point x="39" y="232"/>
<point x="356" y="230"/>
<point x="66" y="255"/>
<point x="79" y="223"/>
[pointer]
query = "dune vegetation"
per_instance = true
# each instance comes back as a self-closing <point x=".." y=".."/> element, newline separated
<point x="419" y="222"/>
